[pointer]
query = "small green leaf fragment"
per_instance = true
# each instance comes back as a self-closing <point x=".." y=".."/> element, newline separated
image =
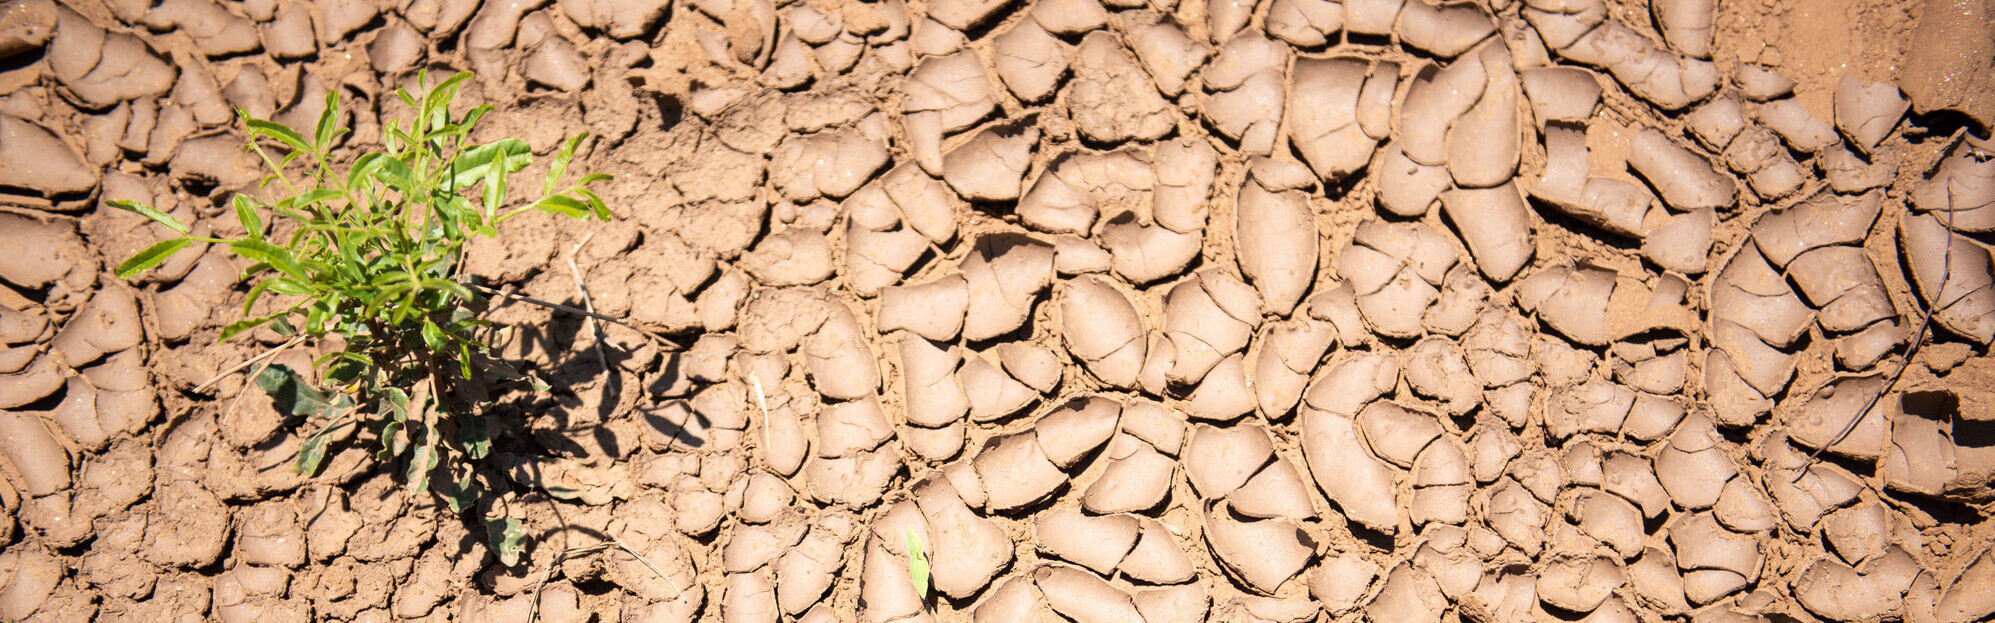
<point x="151" y="213"/>
<point x="917" y="563"/>
<point x="507" y="536"/>
<point x="310" y="454"/>
<point x="151" y="256"/>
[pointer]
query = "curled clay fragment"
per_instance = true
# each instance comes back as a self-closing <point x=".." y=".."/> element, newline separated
<point x="1867" y="112"/>
<point x="1495" y="225"/>
<point x="1157" y="558"/>
<point x="1185" y="170"/>
<point x="1075" y="428"/>
<point x="1827" y="411"/>
<point x="1693" y="468"/>
<point x="1323" y="115"/>
<point x="1340" y="583"/>
<point x="1868" y="592"/>
<point x="1686" y="25"/>
<point x="1265" y="553"/>
<point x="1109" y="100"/>
<point x="1970" y="597"/>
<point x="1165" y="50"/>
<point x="934" y="397"/>
<point x="933" y="310"/>
<point x="1015" y="472"/>
<point x="1288" y="352"/>
<point x="968" y="550"/>
<point x="1956" y="282"/>
<point x="1006" y="274"/>
<point x="31" y="157"/>
<point x="1572" y="300"/>
<point x="1961" y="190"/>
<point x="1668" y="80"/>
<point x="1082" y="596"/>
<point x="1716" y="562"/>
<point x="1102" y="329"/>
<point x="1616" y="205"/>
<point x="1070" y="17"/>
<point x="1410" y="595"/>
<point x="1276" y="236"/>
<point x="1037" y="367"/>
<point x="1224" y="394"/>
<point x="1684" y="179"/>
<point x="1371" y="17"/>
<point x="1407" y="188"/>
<point x="1305" y="23"/>
<point x="832" y="163"/>
<point x="1244" y="93"/>
<point x="1030" y="60"/>
<point x="1795" y="125"/>
<point x="1445" y="30"/>
<point x="1682" y="243"/>
<point x="991" y="165"/>
<point x="1142" y="254"/>
<point x="1434" y="100"/>
<point x="1220" y="460"/>
<point x="1579" y="584"/>
<point x="993" y="394"/>
<point x="840" y="358"/>
<point x="1358" y="483"/>
<point x="1137" y="478"/>
<point x="108" y="323"/>
<point x="1208" y="317"/>
<point x="1096" y="542"/>
<point x="1483" y="143"/>
<point x="1065" y="198"/>
<point x="1717" y="122"/>
<point x="944" y="94"/>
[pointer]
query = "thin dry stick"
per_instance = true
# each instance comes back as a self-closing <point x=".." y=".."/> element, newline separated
<point x="249" y="362"/>
<point x="579" y="312"/>
<point x="1918" y="339"/>
<point x="595" y="330"/>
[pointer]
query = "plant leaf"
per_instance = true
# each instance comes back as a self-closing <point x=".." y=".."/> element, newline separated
<point x="310" y="454"/>
<point x="151" y="256"/>
<point x="151" y="213"/>
<point x="917" y="564"/>
<point x="277" y="132"/>
<point x="474" y="435"/>
<point x="277" y="257"/>
<point x="323" y="139"/>
<point x="246" y="214"/>
<point x="506" y="536"/>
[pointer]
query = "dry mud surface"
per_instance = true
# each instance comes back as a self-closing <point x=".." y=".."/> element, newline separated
<point x="1131" y="310"/>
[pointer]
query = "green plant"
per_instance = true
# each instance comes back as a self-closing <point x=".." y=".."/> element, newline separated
<point x="372" y="255"/>
<point x="917" y="563"/>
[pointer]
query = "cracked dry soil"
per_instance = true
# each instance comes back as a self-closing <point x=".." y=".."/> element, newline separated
<point x="1153" y="311"/>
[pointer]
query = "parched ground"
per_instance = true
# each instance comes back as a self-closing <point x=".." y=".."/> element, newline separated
<point x="1118" y="310"/>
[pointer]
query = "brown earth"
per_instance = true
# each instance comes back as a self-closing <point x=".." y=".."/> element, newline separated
<point x="1282" y="310"/>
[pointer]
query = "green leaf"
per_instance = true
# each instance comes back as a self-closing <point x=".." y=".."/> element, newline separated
<point x="246" y="214"/>
<point x="563" y="205"/>
<point x="289" y="389"/>
<point x="151" y="213"/>
<point x="278" y="132"/>
<point x="507" y="536"/>
<point x="236" y="328"/>
<point x="473" y="433"/>
<point x="151" y="256"/>
<point x="508" y="155"/>
<point x="310" y="454"/>
<point x="327" y="121"/>
<point x="277" y="257"/>
<point x="917" y="564"/>
<point x="420" y="463"/>
<point x="463" y="493"/>
<point x="561" y="159"/>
